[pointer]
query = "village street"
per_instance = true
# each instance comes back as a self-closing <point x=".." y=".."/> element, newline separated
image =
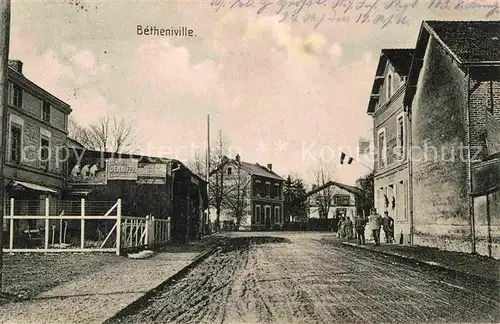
<point x="313" y="278"/>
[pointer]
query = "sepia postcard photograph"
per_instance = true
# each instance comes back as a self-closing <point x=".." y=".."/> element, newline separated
<point x="249" y="161"/>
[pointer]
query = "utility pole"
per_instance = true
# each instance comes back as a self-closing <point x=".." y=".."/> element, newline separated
<point x="207" y="162"/>
<point x="4" y="87"/>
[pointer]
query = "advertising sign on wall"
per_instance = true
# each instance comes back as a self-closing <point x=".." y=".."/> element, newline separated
<point x="86" y="171"/>
<point x="122" y="169"/>
<point x="148" y="173"/>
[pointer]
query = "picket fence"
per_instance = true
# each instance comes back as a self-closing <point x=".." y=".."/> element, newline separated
<point x="53" y="226"/>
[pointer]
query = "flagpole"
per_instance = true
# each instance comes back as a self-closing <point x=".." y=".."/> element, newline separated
<point x="207" y="163"/>
<point x="343" y="156"/>
<point x="4" y="86"/>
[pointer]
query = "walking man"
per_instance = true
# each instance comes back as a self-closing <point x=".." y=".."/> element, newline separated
<point x="375" y="221"/>
<point x="348" y="228"/>
<point x="360" y="224"/>
<point x="388" y="223"/>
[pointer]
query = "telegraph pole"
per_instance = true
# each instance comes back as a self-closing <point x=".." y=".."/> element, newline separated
<point x="4" y="87"/>
<point x="207" y="162"/>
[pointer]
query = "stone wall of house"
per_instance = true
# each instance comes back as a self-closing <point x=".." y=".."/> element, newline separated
<point x="486" y="177"/>
<point x="441" y="216"/>
<point x="487" y="224"/>
<point x="485" y="121"/>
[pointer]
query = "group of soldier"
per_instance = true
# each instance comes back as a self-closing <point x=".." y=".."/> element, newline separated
<point x="375" y="223"/>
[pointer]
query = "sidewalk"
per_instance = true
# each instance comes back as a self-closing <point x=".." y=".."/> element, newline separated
<point x="456" y="263"/>
<point x="100" y="295"/>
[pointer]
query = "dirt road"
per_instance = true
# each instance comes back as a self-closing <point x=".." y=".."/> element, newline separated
<point x="310" y="278"/>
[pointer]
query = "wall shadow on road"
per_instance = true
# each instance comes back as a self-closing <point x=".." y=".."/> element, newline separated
<point x="241" y="243"/>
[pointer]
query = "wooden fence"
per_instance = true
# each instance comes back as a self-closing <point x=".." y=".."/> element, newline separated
<point x="84" y="226"/>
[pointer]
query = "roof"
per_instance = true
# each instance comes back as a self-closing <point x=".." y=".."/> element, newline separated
<point x="19" y="78"/>
<point x="32" y="186"/>
<point x="469" y="41"/>
<point x="257" y="169"/>
<point x="71" y="142"/>
<point x="400" y="59"/>
<point x="252" y="169"/>
<point x="351" y="189"/>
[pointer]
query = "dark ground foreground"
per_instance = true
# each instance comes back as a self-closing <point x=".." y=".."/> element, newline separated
<point x="312" y="278"/>
<point x="29" y="274"/>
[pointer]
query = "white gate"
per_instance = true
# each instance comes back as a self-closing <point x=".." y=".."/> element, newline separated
<point x="54" y="229"/>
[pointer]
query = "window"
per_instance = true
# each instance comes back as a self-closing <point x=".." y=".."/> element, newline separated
<point x="268" y="214"/>
<point x="15" y="143"/>
<point x="278" y="215"/>
<point x="17" y="95"/>
<point x="401" y="136"/>
<point x="404" y="184"/>
<point x="44" y="152"/>
<point x="257" y="214"/>
<point x="381" y="149"/>
<point x="46" y="112"/>
<point x="268" y="189"/>
<point x="491" y="99"/>
<point x="255" y="188"/>
<point x="389" y="86"/>
<point x="229" y="171"/>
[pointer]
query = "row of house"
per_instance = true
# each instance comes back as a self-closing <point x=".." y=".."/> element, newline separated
<point x="436" y="118"/>
<point x="254" y="198"/>
<point x="42" y="162"/>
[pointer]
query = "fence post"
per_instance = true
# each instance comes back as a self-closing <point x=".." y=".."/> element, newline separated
<point x="11" y="224"/>
<point x="153" y="231"/>
<point x="82" y="223"/>
<point x="146" y="228"/>
<point x="168" y="229"/>
<point x="47" y="223"/>
<point x="118" y="226"/>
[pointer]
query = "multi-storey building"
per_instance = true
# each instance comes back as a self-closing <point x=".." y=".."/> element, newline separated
<point x="391" y="173"/>
<point x="450" y="104"/>
<point x="37" y="132"/>
<point x="253" y="193"/>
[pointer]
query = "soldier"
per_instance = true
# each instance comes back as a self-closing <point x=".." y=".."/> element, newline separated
<point x="388" y="224"/>
<point x="359" y="225"/>
<point x="375" y="221"/>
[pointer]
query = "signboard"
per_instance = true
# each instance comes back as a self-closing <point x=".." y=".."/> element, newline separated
<point x="149" y="173"/>
<point x="86" y="170"/>
<point x="341" y="200"/>
<point x="122" y="169"/>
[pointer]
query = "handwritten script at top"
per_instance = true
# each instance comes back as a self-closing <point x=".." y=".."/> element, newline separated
<point x="380" y="13"/>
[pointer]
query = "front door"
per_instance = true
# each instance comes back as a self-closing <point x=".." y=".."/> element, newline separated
<point x="268" y="217"/>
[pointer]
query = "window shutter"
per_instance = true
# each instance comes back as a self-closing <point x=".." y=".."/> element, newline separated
<point x="405" y="200"/>
<point x="11" y="94"/>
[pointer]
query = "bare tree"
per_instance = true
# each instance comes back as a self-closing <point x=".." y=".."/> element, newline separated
<point x="237" y="194"/>
<point x="218" y="158"/>
<point x="108" y="134"/>
<point x="324" y="197"/>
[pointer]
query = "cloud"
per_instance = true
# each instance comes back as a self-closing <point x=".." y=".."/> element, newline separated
<point x="335" y="52"/>
<point x="314" y="44"/>
<point x="85" y="61"/>
<point x="162" y="68"/>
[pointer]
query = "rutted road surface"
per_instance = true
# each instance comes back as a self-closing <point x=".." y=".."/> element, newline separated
<point x="310" y="278"/>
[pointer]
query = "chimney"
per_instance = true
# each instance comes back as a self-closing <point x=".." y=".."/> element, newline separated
<point x="16" y="65"/>
<point x="237" y="158"/>
<point x="270" y="167"/>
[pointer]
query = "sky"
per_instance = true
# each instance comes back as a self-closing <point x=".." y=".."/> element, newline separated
<point x="290" y="92"/>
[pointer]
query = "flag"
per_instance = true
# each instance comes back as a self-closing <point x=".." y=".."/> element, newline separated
<point x="342" y="158"/>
